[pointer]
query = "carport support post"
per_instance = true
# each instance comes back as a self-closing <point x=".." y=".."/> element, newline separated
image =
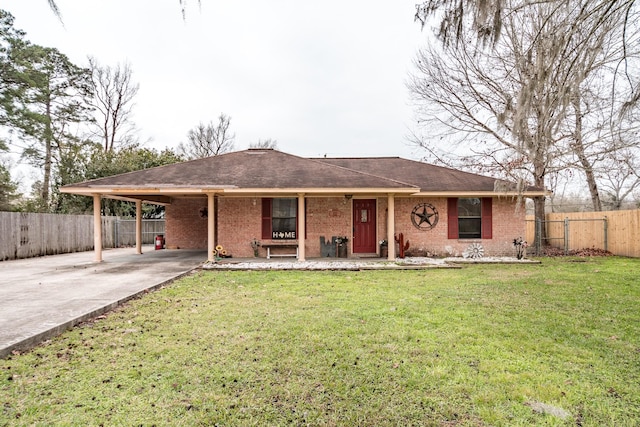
<point x="138" y="227"/>
<point x="97" y="228"/>
<point x="391" y="228"/>
<point x="301" y="227"/>
<point x="211" y="226"/>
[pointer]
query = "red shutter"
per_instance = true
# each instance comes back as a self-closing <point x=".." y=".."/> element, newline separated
<point x="452" y="217"/>
<point x="266" y="218"/>
<point x="487" y="209"/>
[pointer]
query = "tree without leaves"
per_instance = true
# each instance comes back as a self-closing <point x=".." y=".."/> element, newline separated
<point x="600" y="131"/>
<point x="598" y="123"/>
<point x="620" y="177"/>
<point x="113" y="94"/>
<point x="521" y="94"/>
<point x="265" y="143"/>
<point x="596" y="120"/>
<point x="208" y="140"/>
<point x="484" y="18"/>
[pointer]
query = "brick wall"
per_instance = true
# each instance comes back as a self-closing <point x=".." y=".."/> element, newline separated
<point x="239" y="222"/>
<point x="508" y="224"/>
<point x="185" y="228"/>
<point x="328" y="217"/>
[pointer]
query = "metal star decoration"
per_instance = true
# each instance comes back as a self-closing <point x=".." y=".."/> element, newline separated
<point x="424" y="216"/>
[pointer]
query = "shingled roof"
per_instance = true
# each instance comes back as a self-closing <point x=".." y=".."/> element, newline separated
<point x="271" y="170"/>
<point x="429" y="178"/>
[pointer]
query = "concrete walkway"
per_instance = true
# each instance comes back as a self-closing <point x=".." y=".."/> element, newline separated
<point x="42" y="297"/>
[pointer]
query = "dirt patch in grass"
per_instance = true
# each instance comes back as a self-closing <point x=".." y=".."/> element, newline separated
<point x="585" y="252"/>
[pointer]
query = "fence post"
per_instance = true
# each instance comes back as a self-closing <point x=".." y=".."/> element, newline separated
<point x="605" y="222"/>
<point x="538" y="236"/>
<point x="566" y="235"/>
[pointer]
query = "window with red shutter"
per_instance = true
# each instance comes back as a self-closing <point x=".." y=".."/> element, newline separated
<point x="470" y="218"/>
<point x="452" y="218"/>
<point x="279" y="218"/>
<point x="487" y="220"/>
<point x="266" y="218"/>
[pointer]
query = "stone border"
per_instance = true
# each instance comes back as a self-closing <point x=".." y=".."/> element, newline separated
<point x="411" y="263"/>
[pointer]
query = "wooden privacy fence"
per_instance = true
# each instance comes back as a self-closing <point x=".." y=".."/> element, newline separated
<point x="25" y="235"/>
<point x="125" y="231"/>
<point x="615" y="231"/>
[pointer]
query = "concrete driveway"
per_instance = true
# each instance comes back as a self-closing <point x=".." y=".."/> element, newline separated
<point x="42" y="297"/>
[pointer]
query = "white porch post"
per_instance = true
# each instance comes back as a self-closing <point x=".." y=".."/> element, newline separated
<point x="301" y="227"/>
<point x="138" y="227"/>
<point x="97" y="229"/>
<point x="211" y="226"/>
<point x="391" y="228"/>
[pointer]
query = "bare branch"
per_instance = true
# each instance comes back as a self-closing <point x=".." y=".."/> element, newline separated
<point x="114" y="92"/>
<point x="265" y="143"/>
<point x="209" y="140"/>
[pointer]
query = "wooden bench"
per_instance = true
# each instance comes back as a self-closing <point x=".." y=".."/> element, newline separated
<point x="285" y="245"/>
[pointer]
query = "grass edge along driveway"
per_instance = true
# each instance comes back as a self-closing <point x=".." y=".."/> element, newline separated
<point x="550" y="344"/>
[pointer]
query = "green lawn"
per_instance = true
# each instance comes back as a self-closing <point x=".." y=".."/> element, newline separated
<point x="486" y="345"/>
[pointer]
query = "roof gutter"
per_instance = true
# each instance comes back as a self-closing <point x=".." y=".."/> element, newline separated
<point x="480" y="193"/>
<point x="154" y="194"/>
<point x="130" y="191"/>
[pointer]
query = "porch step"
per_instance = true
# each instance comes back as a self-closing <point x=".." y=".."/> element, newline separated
<point x="373" y="255"/>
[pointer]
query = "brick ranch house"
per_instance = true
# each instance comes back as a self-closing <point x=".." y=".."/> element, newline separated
<point x="289" y="203"/>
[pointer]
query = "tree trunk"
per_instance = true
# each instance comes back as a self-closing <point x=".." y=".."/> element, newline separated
<point x="539" y="203"/>
<point x="48" y="141"/>
<point x="540" y="235"/>
<point x="587" y="168"/>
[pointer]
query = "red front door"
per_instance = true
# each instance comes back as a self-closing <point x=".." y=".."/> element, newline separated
<point x="364" y="226"/>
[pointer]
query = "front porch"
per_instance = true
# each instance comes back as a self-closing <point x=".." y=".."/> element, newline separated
<point x="301" y="226"/>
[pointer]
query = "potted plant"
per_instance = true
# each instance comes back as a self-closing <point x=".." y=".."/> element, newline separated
<point x="255" y="245"/>
<point x="341" y="246"/>
<point x="384" y="248"/>
<point x="521" y="247"/>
